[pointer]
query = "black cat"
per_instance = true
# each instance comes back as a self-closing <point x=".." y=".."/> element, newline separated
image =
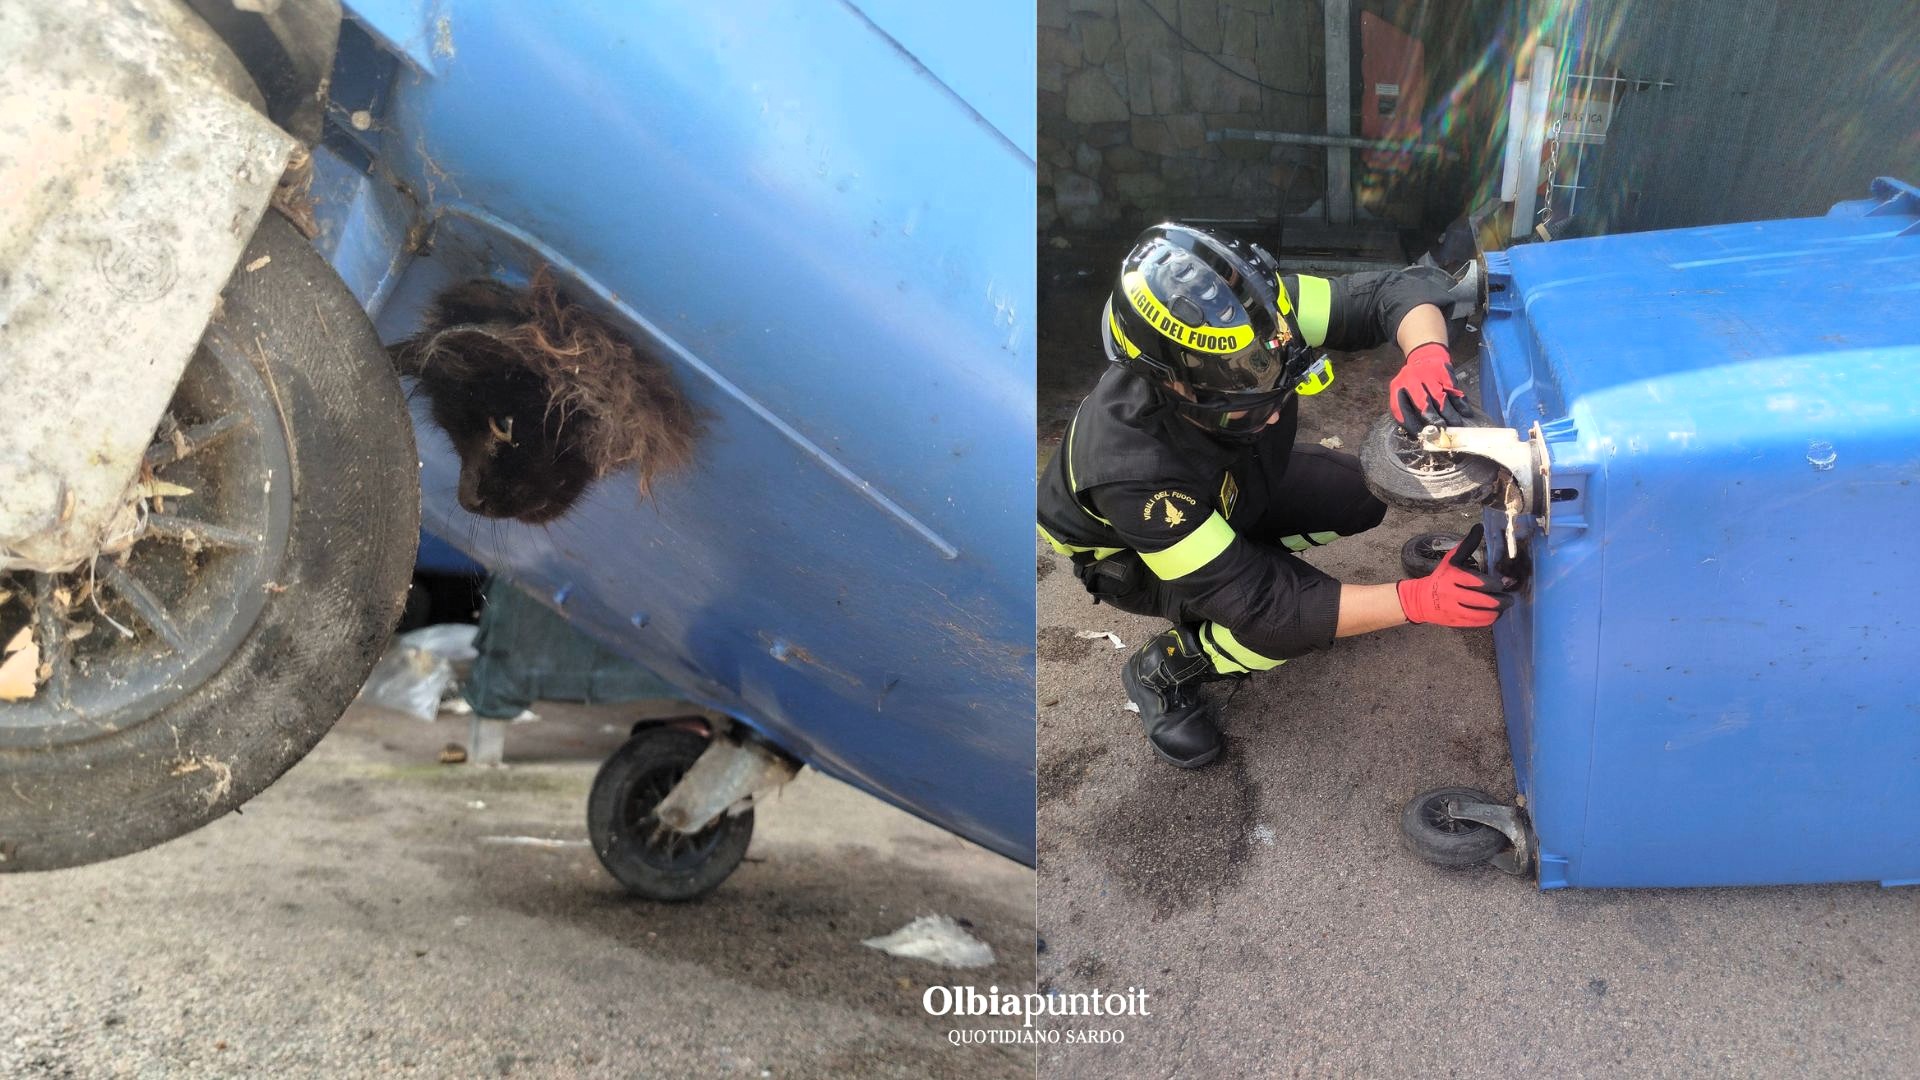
<point x="541" y="398"/>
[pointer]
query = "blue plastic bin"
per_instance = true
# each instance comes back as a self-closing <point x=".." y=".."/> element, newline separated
<point x="820" y="216"/>
<point x="1714" y="677"/>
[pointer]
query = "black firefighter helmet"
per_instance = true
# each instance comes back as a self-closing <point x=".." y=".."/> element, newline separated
<point x="1203" y="310"/>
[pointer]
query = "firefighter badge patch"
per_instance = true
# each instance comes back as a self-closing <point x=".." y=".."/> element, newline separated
<point x="1169" y="508"/>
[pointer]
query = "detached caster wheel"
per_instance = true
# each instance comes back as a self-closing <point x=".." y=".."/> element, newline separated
<point x="1421" y="554"/>
<point x="1440" y="838"/>
<point x="642" y="854"/>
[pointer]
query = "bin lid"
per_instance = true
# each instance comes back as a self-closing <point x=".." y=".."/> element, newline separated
<point x="1728" y="324"/>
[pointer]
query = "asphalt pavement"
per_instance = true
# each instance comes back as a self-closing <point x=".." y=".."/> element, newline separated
<point x="376" y="913"/>
<point x="1268" y="905"/>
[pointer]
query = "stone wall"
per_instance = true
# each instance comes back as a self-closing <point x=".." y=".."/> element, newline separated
<point x="1127" y="97"/>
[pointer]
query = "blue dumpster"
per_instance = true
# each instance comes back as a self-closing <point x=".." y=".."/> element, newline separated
<point x="820" y="216"/>
<point x="1712" y="678"/>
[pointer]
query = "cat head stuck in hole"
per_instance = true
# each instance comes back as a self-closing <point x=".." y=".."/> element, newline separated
<point x="541" y="397"/>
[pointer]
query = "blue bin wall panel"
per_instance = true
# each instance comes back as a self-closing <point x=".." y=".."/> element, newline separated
<point x="951" y="47"/>
<point x="835" y="253"/>
<point x="1711" y="679"/>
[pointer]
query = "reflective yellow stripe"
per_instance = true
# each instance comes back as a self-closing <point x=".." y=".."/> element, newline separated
<point x="1219" y="340"/>
<point x="1230" y="657"/>
<point x="1119" y="335"/>
<point x="1316" y="307"/>
<point x="1302" y="543"/>
<point x="1075" y="549"/>
<point x="1195" y="550"/>
<point x="1280" y="297"/>
<point x="1073" y="486"/>
<point x="1222" y="663"/>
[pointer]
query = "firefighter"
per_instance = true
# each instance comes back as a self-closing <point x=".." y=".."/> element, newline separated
<point x="1178" y="491"/>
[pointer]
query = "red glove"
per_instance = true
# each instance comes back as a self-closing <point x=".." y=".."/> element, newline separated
<point x="1455" y="594"/>
<point x="1422" y="392"/>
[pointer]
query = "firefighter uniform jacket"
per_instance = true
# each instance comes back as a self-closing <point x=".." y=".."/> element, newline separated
<point x="1132" y="474"/>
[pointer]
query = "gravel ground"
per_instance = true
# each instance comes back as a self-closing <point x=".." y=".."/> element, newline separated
<point x="1268" y="905"/>
<point x="356" y="921"/>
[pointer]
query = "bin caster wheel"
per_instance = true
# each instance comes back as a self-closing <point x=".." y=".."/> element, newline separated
<point x="1421" y="554"/>
<point x="246" y="612"/>
<point x="1402" y="474"/>
<point x="648" y="858"/>
<point x="1441" y="838"/>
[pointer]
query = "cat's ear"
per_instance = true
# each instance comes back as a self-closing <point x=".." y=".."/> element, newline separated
<point x="456" y="354"/>
<point x="409" y="355"/>
<point x="477" y="301"/>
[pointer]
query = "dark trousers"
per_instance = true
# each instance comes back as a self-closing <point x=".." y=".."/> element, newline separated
<point x="1315" y="495"/>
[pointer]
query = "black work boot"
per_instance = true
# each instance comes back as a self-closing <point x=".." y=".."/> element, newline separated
<point x="1162" y="678"/>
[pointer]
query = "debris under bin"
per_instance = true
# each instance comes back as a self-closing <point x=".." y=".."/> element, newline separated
<point x="526" y="652"/>
<point x="937" y="939"/>
<point x="520" y="653"/>
<point x="420" y="669"/>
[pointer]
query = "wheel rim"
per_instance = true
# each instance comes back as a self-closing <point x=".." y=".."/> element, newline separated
<point x="656" y="845"/>
<point x="1436" y="816"/>
<point x="1413" y="458"/>
<point x="1435" y="545"/>
<point x="129" y="634"/>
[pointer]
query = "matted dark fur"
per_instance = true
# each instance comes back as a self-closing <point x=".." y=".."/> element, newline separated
<point x="541" y="397"/>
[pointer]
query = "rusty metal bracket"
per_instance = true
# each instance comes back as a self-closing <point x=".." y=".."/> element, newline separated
<point x="1530" y="471"/>
<point x="1511" y="820"/>
<point x="728" y="776"/>
<point x="1525" y="459"/>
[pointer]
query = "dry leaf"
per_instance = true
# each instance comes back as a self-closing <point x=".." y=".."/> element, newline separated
<point x="19" y="641"/>
<point x="18" y="671"/>
<point x="151" y="488"/>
